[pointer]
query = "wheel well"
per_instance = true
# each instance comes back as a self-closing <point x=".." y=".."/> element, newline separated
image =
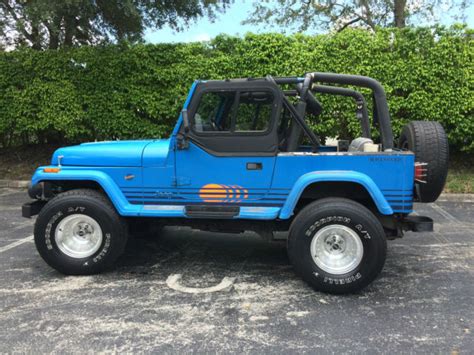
<point x="59" y="186"/>
<point x="346" y="189"/>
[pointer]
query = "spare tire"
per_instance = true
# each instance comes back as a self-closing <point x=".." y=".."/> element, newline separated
<point x="429" y="142"/>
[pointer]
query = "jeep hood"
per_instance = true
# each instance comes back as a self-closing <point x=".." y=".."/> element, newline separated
<point x="113" y="153"/>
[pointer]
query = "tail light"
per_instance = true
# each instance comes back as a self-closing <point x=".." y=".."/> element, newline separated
<point x="421" y="172"/>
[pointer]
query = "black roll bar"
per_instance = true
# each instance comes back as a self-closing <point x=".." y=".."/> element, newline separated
<point x="380" y="100"/>
<point x="298" y="112"/>
<point x="314" y="105"/>
<point x="287" y="80"/>
<point x="299" y="116"/>
<point x="362" y="112"/>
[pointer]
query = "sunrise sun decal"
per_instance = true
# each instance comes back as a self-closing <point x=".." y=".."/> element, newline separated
<point x="223" y="193"/>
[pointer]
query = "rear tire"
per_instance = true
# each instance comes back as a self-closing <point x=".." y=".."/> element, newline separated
<point x="337" y="245"/>
<point x="429" y="142"/>
<point x="79" y="233"/>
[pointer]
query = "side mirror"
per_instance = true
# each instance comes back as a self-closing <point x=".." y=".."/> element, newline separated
<point x="184" y="114"/>
<point x="183" y="137"/>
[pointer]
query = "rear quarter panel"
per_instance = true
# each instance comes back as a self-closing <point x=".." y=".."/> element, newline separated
<point x="392" y="173"/>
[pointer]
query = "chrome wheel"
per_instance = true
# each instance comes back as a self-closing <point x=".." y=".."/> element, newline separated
<point x="78" y="236"/>
<point x="337" y="249"/>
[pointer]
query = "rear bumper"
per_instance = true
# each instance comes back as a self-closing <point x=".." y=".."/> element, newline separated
<point x="32" y="208"/>
<point x="417" y="224"/>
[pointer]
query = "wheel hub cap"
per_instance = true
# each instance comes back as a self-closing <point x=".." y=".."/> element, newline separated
<point x="78" y="236"/>
<point x="337" y="249"/>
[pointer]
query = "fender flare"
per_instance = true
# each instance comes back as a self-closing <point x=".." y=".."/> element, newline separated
<point x="124" y="208"/>
<point x="334" y="176"/>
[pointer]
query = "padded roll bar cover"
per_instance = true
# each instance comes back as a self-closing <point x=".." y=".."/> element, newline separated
<point x="358" y="97"/>
<point x="296" y="132"/>
<point x="383" y="114"/>
<point x="314" y="106"/>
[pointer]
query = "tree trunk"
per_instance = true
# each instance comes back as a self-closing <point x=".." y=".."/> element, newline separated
<point x="35" y="37"/>
<point x="54" y="29"/>
<point x="399" y="13"/>
<point x="368" y="17"/>
<point x="53" y="40"/>
<point x="69" y="30"/>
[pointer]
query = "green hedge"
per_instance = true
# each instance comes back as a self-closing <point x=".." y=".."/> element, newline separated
<point x="122" y="91"/>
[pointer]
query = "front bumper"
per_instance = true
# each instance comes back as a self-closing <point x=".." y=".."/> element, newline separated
<point x="32" y="208"/>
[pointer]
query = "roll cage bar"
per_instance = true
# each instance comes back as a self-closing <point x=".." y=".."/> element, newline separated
<point x="361" y="111"/>
<point x="305" y="86"/>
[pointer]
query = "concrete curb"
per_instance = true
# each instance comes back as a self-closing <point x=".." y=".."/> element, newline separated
<point x="456" y="197"/>
<point x="23" y="184"/>
<point x="16" y="184"/>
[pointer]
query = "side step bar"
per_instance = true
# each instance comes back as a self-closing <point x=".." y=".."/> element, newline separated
<point x="211" y="212"/>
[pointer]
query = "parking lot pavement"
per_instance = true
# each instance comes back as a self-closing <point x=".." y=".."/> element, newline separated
<point x="203" y="292"/>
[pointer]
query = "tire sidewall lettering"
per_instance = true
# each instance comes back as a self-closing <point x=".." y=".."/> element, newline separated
<point x="341" y="281"/>
<point x="49" y="228"/>
<point x="326" y="220"/>
<point x="104" y="250"/>
<point x="78" y="209"/>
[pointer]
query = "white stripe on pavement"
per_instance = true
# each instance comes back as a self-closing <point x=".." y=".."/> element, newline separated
<point x="8" y="192"/>
<point x="27" y="223"/>
<point x="9" y="208"/>
<point x="17" y="243"/>
<point x="444" y="213"/>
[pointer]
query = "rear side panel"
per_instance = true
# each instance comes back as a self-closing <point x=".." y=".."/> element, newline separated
<point x="392" y="173"/>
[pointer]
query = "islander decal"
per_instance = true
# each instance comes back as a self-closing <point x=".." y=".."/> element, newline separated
<point x="223" y="193"/>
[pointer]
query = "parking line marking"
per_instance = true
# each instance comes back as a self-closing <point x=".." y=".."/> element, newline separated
<point x="434" y="245"/>
<point x="17" y="243"/>
<point x="8" y="193"/>
<point x="28" y="223"/>
<point x="9" y="208"/>
<point x="173" y="282"/>
<point x="444" y="213"/>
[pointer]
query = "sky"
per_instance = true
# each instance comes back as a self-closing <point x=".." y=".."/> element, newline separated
<point x="203" y="30"/>
<point x="230" y="23"/>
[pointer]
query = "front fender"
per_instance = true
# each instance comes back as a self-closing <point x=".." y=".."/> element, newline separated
<point x="336" y="176"/>
<point x="116" y="196"/>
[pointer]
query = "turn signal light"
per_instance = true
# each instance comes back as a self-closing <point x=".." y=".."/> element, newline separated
<point x="51" y="170"/>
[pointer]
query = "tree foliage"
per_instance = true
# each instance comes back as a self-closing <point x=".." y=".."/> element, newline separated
<point x="339" y="14"/>
<point x="121" y="91"/>
<point x="53" y="24"/>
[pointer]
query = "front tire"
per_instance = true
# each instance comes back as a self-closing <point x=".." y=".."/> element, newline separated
<point x="79" y="233"/>
<point x="337" y="245"/>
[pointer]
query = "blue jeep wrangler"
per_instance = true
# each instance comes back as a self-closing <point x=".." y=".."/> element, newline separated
<point x="242" y="157"/>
